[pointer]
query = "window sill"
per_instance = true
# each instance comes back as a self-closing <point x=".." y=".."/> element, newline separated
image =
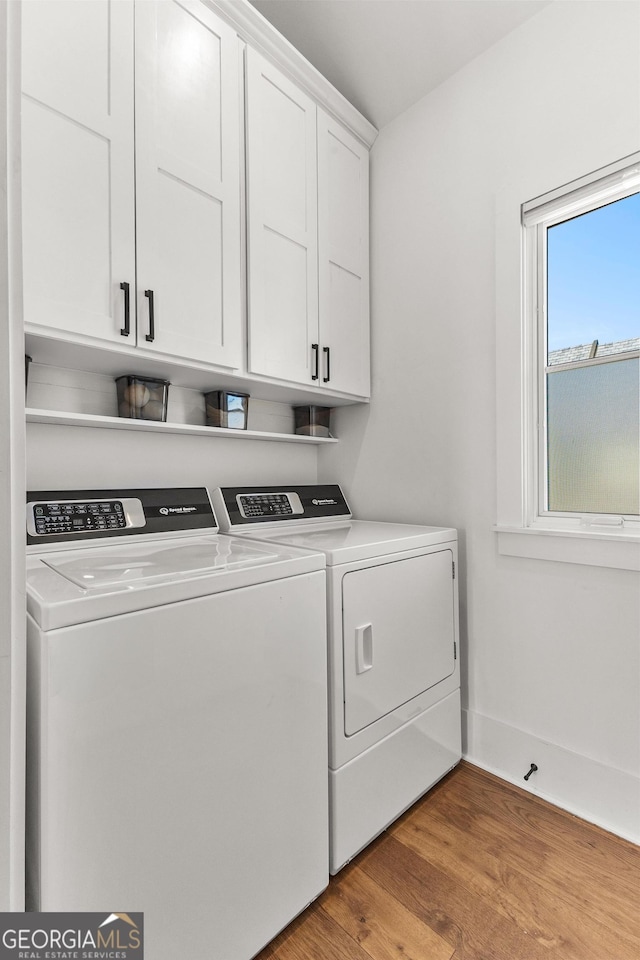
<point x="600" y="549"/>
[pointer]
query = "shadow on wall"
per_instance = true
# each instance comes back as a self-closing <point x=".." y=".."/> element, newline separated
<point x="340" y="462"/>
<point x="345" y="463"/>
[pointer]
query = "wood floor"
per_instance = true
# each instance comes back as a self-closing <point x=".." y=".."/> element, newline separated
<point x="477" y="870"/>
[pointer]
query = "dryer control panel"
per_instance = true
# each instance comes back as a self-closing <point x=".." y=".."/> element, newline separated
<point x="269" y="505"/>
<point x="237" y="507"/>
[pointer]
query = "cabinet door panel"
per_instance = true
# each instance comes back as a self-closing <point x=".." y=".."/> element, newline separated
<point x="284" y="166"/>
<point x="188" y="252"/>
<point x="288" y="300"/>
<point x="344" y="160"/>
<point x="66" y="58"/>
<point x="77" y="155"/>
<point x="343" y="255"/>
<point x="282" y="224"/>
<point x="73" y="188"/>
<point x="345" y="331"/>
<point x="189" y="71"/>
<point x="188" y="179"/>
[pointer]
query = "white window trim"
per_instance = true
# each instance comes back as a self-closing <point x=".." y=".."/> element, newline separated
<point x="521" y="529"/>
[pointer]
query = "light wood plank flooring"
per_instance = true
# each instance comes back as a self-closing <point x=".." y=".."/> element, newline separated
<point x="477" y="870"/>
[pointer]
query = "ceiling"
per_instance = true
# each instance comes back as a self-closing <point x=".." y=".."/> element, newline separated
<point x="384" y="55"/>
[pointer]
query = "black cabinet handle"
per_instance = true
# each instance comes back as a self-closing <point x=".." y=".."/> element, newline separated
<point x="327" y="352"/>
<point x="315" y="348"/>
<point x="126" y="330"/>
<point x="152" y="323"/>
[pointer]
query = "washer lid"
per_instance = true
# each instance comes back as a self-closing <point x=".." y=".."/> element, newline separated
<point x="77" y="586"/>
<point x="153" y="562"/>
<point x="359" y="539"/>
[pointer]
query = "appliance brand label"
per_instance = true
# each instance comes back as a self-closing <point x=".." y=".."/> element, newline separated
<point x="324" y="503"/>
<point x="71" y="936"/>
<point x="170" y="511"/>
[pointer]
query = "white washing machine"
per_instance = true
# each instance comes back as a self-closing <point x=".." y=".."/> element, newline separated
<point x="394" y="673"/>
<point x="177" y="720"/>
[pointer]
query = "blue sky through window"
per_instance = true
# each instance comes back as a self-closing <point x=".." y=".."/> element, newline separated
<point x="593" y="276"/>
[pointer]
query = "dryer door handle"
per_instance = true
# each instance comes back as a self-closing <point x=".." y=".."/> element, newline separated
<point x="364" y="648"/>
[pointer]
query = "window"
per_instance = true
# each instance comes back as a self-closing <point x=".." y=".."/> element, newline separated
<point x="567" y="369"/>
<point x="582" y="281"/>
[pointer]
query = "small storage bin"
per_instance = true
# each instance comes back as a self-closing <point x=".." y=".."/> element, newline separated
<point x="312" y="421"/>
<point x="142" y="398"/>
<point x="226" y="408"/>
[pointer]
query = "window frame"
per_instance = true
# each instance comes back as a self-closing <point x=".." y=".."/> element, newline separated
<point x="524" y="527"/>
<point x="538" y="219"/>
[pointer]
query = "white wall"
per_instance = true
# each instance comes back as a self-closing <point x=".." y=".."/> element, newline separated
<point x="550" y="650"/>
<point x="63" y="457"/>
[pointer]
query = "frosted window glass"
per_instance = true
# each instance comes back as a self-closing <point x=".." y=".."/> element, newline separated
<point x="593" y="421"/>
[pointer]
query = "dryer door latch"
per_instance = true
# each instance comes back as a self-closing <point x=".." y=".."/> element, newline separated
<point x="364" y="648"/>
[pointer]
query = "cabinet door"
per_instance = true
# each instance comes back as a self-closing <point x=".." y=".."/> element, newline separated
<point x="77" y="164"/>
<point x="282" y="225"/>
<point x="343" y="258"/>
<point x="188" y="120"/>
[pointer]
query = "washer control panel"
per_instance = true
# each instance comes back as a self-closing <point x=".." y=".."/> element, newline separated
<point x="79" y="516"/>
<point x="82" y="516"/>
<point x="269" y="505"/>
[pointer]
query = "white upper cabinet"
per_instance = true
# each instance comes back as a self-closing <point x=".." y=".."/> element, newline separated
<point x="308" y="243"/>
<point x="282" y="225"/>
<point x="152" y="132"/>
<point x="77" y="164"/>
<point x="188" y="168"/>
<point x="343" y="258"/>
<point x="81" y="224"/>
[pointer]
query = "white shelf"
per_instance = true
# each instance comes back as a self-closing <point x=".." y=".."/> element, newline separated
<point x="156" y="426"/>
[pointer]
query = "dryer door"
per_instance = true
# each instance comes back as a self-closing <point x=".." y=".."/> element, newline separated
<point x="398" y="634"/>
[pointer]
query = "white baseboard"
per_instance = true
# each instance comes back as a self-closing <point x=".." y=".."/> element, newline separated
<point x="603" y="795"/>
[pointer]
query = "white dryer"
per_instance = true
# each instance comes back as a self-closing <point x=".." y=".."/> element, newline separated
<point x="393" y="650"/>
<point x="177" y="720"/>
